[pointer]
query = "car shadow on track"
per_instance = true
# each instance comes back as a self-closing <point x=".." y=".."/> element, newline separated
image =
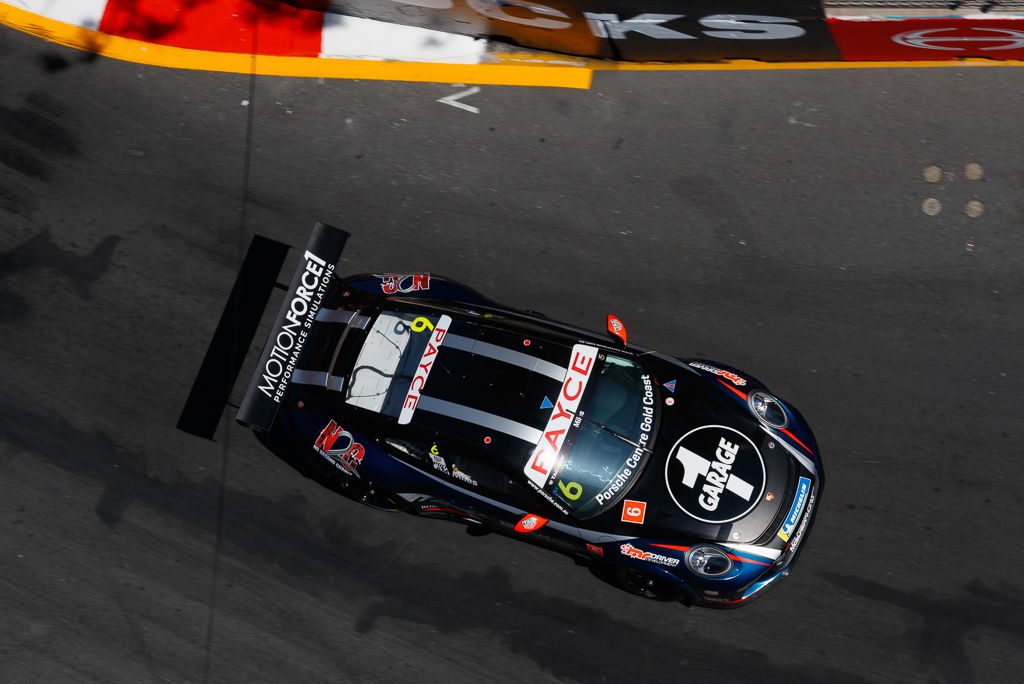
<point x="943" y="622"/>
<point x="325" y="558"/>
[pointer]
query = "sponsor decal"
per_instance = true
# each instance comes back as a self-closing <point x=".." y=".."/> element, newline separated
<point x="728" y="375"/>
<point x="337" y="445"/>
<point x="798" y="537"/>
<point x="530" y="523"/>
<point x="962" y="40"/>
<point x="287" y="343"/>
<point x="546" y="403"/>
<point x="434" y="508"/>
<point x="732" y="26"/>
<point x="607" y="25"/>
<point x="715" y="474"/>
<point x="419" y="378"/>
<point x="596" y="550"/>
<point x="401" y="283"/>
<point x="439" y="463"/>
<point x="545" y="463"/>
<point x="629" y="468"/>
<point x="461" y="475"/>
<point x="634" y="511"/>
<point x="936" y="38"/>
<point x="649" y="556"/>
<point x="617" y="328"/>
<point x="670" y="385"/>
<point x="803" y="487"/>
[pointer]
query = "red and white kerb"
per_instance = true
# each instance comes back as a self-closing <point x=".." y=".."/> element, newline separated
<point x="419" y="379"/>
<point x="545" y="456"/>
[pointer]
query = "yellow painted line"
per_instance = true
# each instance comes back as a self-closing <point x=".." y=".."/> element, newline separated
<point x="516" y="74"/>
<point x="746" y="64"/>
<point x="514" y="69"/>
<point x="754" y="65"/>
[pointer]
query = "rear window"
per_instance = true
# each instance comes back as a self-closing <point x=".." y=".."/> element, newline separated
<point x="394" y="361"/>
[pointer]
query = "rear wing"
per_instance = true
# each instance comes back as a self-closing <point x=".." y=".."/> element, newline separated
<point x="238" y="325"/>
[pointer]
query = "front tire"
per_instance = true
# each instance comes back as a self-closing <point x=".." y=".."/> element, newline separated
<point x="646" y="585"/>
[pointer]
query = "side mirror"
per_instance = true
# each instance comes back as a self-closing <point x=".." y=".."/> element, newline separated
<point x="616" y="329"/>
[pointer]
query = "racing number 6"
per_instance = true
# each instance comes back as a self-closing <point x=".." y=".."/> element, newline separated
<point x="634" y="512"/>
<point x="419" y="324"/>
<point x="571" y="491"/>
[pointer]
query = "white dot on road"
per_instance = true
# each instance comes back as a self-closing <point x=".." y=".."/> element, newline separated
<point x="932" y="174"/>
<point x="974" y="208"/>
<point x="931" y="206"/>
<point x="974" y="172"/>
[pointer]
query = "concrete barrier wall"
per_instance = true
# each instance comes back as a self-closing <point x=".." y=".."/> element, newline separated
<point x="634" y="30"/>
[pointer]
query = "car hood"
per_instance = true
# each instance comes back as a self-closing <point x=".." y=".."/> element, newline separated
<point x="715" y="474"/>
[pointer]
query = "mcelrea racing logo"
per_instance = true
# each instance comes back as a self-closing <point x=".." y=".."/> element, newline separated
<point x="715" y="474"/>
<point x="289" y="340"/>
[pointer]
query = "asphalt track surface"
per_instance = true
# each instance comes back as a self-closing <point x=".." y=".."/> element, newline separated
<point x="770" y="220"/>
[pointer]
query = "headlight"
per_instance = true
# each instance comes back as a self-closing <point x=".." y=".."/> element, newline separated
<point x="767" y="409"/>
<point x="708" y="561"/>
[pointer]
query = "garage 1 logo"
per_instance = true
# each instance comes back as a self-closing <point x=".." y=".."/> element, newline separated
<point x="715" y="474"/>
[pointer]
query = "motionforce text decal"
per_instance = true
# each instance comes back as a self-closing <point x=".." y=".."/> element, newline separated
<point x="289" y="340"/>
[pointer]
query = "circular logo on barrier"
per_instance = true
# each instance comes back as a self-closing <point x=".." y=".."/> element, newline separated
<point x="715" y="474"/>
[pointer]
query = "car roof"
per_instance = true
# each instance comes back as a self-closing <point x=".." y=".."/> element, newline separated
<point x="492" y="386"/>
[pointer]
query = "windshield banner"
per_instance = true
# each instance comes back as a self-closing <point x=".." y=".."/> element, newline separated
<point x="545" y="459"/>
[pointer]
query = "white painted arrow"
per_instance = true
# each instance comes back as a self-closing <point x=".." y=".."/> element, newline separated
<point x="453" y="100"/>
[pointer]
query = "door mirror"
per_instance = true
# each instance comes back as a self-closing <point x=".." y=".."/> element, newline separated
<point x="616" y="329"/>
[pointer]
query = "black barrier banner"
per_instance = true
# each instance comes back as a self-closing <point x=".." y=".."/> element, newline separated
<point x="633" y="30"/>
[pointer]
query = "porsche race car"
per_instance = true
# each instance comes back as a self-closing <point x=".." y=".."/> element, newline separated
<point x="675" y="479"/>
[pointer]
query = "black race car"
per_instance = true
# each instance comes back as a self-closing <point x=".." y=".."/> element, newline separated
<point x="675" y="479"/>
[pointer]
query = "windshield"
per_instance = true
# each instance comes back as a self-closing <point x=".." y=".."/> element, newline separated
<point x="395" y="361"/>
<point x="594" y="447"/>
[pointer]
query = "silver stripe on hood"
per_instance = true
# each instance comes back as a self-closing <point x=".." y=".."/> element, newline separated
<point x="477" y="417"/>
<point x="510" y="356"/>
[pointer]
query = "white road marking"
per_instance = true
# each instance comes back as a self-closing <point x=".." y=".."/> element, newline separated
<point x="932" y="174"/>
<point x="974" y="172"/>
<point x="810" y="110"/>
<point x="452" y="100"/>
